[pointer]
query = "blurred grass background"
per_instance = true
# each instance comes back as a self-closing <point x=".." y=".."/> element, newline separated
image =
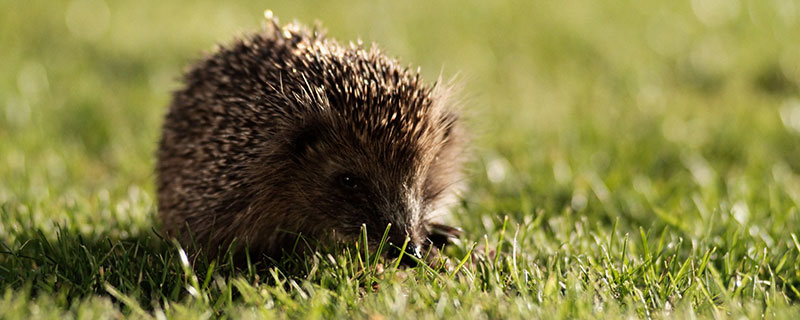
<point x="591" y="119"/>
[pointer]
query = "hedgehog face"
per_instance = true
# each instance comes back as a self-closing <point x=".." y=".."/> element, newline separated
<point x="373" y="176"/>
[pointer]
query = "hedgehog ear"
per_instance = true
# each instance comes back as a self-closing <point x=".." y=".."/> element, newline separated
<point x="304" y="141"/>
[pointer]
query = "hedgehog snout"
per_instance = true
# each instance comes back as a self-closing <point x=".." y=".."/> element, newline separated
<point x="404" y="234"/>
<point x="410" y="256"/>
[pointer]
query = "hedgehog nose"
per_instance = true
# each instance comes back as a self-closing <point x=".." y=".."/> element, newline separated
<point x="409" y="256"/>
<point x="414" y="251"/>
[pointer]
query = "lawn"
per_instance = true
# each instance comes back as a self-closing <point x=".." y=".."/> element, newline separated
<point x="630" y="159"/>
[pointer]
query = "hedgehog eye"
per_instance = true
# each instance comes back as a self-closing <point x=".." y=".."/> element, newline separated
<point x="349" y="181"/>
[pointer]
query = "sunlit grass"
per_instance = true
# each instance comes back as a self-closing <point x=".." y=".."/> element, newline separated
<point x="632" y="158"/>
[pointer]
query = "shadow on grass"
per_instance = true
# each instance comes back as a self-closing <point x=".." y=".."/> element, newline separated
<point x="151" y="270"/>
<point x="146" y="267"/>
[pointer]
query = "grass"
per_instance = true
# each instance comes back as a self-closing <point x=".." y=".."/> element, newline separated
<point x="632" y="159"/>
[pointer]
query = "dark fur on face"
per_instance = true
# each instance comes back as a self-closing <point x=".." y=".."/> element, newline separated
<point x="286" y="132"/>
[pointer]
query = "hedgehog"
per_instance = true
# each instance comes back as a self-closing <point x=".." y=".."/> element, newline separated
<point x="286" y="134"/>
